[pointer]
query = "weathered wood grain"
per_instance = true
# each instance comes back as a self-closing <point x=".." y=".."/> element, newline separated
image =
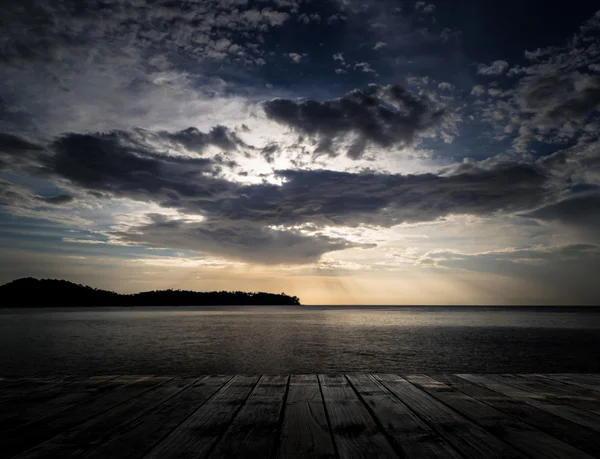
<point x="305" y="431"/>
<point x="302" y="416"/>
<point x="135" y="439"/>
<point x="355" y="432"/>
<point x="90" y="434"/>
<point x="29" y="387"/>
<point x="554" y="393"/>
<point x="195" y="436"/>
<point x="534" y="443"/>
<point x="541" y="401"/>
<point x="409" y="433"/>
<point x="33" y="433"/>
<point x="581" y="437"/>
<point x="470" y="439"/>
<point x="575" y="380"/>
<point x="568" y="388"/>
<point x="256" y="427"/>
<point x="15" y="413"/>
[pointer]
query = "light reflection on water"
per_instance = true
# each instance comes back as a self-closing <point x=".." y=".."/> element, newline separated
<point x="297" y="340"/>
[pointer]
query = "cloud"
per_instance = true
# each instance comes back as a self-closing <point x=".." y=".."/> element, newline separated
<point x="236" y="240"/>
<point x="365" y="67"/>
<point x="552" y="108"/>
<point x="124" y="64"/>
<point x="124" y="165"/>
<point x="445" y="86"/>
<point x="175" y="26"/>
<point x="449" y="35"/>
<point x="121" y="164"/>
<point x="238" y="220"/>
<point x="269" y="151"/>
<point x="580" y="211"/>
<point x="561" y="274"/>
<point x="14" y="195"/>
<point x="22" y="201"/>
<point x="558" y="104"/>
<point x="555" y="100"/>
<point x="16" y="152"/>
<point x="418" y="80"/>
<point x="308" y="18"/>
<point x="295" y="57"/>
<point x="58" y="199"/>
<point x="12" y="144"/>
<point x="495" y="68"/>
<point x="387" y="116"/>
<point x="379" y="45"/>
<point x="194" y="140"/>
<point x="425" y="8"/>
<point x="346" y="199"/>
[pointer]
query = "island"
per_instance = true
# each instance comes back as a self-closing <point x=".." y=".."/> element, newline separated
<point x="31" y="292"/>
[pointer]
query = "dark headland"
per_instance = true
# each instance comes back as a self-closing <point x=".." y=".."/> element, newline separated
<point x="30" y="292"/>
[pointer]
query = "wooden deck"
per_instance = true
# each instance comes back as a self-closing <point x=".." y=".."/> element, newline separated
<point x="302" y="416"/>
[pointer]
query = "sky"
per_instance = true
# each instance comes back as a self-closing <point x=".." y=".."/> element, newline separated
<point x="383" y="152"/>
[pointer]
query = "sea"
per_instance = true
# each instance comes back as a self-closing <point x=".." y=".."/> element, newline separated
<point x="300" y="339"/>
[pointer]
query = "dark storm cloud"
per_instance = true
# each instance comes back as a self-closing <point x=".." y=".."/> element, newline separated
<point x="16" y="152"/>
<point x="239" y="218"/>
<point x="13" y="144"/>
<point x="581" y="210"/>
<point x="123" y="165"/>
<point x="339" y="198"/>
<point x="551" y="106"/>
<point x="57" y="200"/>
<point x="237" y="240"/>
<point x="560" y="98"/>
<point x="194" y="140"/>
<point x="387" y="116"/>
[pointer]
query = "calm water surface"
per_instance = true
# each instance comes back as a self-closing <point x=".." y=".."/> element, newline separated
<point x="298" y="340"/>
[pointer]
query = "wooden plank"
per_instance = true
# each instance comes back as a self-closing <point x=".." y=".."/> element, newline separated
<point x="18" y="412"/>
<point x="7" y="384"/>
<point x="411" y="436"/>
<point x="576" y="415"/>
<point x="196" y="435"/>
<point x="532" y="442"/>
<point x="137" y="438"/>
<point x="591" y="377"/>
<point x="581" y="437"/>
<point x="83" y="437"/>
<point x="33" y="433"/>
<point x="566" y="387"/>
<point x="467" y="437"/>
<point x="355" y="432"/>
<point x="57" y="387"/>
<point x="254" y="432"/>
<point x="32" y="386"/>
<point x="554" y="392"/>
<point x="574" y="380"/>
<point x="305" y="430"/>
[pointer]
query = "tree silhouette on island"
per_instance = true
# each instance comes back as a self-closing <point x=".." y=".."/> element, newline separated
<point x="31" y="292"/>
